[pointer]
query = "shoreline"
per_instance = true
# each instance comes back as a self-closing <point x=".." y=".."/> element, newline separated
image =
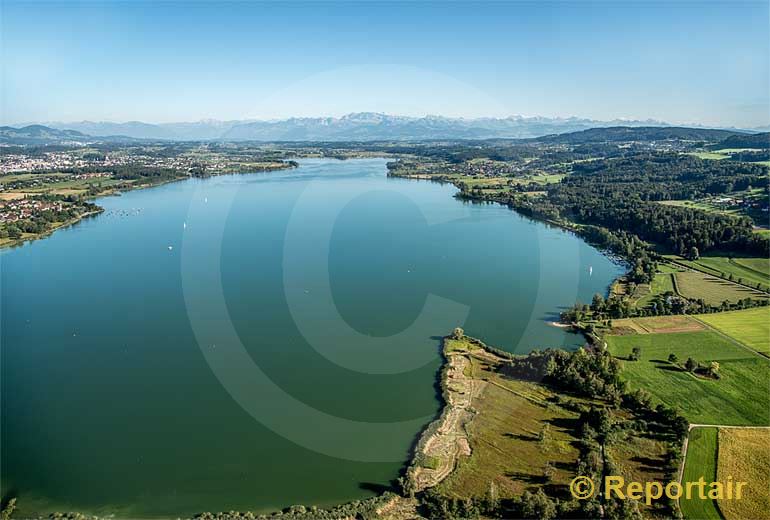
<point x="429" y="435"/>
<point x="114" y="193"/>
<point x="445" y="440"/>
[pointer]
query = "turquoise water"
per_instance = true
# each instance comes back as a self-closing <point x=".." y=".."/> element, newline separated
<point x="256" y="341"/>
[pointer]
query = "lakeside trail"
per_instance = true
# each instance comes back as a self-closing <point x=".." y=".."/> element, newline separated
<point x="446" y="439"/>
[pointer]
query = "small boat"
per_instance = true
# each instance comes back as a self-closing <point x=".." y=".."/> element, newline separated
<point x="590" y="270"/>
<point x="170" y="248"/>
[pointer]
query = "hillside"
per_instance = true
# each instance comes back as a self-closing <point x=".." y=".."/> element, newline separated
<point x="641" y="133"/>
<point x="39" y="134"/>
<point x="759" y="141"/>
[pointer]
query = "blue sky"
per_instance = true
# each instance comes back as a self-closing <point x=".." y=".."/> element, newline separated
<point x="678" y="61"/>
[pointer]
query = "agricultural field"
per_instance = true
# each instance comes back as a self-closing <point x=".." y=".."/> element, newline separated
<point x="716" y="156"/>
<point x="703" y="205"/>
<point x="745" y="455"/>
<point x="713" y="290"/>
<point x="760" y="265"/>
<point x="739" y="397"/>
<point x="701" y="462"/>
<point x="750" y="327"/>
<point x="657" y="325"/>
<point x="746" y="270"/>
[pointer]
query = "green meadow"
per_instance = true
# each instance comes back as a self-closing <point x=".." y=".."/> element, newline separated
<point x="750" y="327"/>
<point x="740" y="397"/>
<point x="701" y="462"/>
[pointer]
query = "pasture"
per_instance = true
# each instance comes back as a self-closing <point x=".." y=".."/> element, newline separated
<point x="747" y="270"/>
<point x="750" y="327"/>
<point x="739" y="397"/>
<point x="712" y="290"/>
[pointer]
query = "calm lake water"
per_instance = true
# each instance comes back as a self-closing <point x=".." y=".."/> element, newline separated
<point x="256" y="341"/>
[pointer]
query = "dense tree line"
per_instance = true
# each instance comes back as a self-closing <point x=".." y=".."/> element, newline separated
<point x="622" y="195"/>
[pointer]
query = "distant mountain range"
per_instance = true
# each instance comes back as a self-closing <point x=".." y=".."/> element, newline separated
<point x="362" y="126"/>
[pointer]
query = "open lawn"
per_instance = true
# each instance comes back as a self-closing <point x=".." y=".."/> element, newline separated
<point x="745" y="455"/>
<point x="740" y="397"/>
<point x="713" y="290"/>
<point x="701" y="462"/>
<point x="750" y="327"/>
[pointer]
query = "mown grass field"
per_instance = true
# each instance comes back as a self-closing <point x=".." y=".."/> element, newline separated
<point x="658" y="324"/>
<point x="716" y="156"/>
<point x="746" y="269"/>
<point x="704" y="206"/>
<point x="701" y="462"/>
<point x="761" y="265"/>
<point x="713" y="290"/>
<point x="745" y="455"/>
<point x="750" y="327"/>
<point x="740" y="397"/>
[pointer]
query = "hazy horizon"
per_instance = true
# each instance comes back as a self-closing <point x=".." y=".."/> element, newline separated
<point x="619" y="120"/>
<point x="682" y="62"/>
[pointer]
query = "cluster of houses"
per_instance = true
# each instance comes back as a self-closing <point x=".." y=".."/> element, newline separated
<point x="57" y="161"/>
<point x="747" y="203"/>
<point x="15" y="163"/>
<point x="13" y="210"/>
<point x="489" y="168"/>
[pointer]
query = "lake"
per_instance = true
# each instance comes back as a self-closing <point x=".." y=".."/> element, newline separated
<point x="248" y="342"/>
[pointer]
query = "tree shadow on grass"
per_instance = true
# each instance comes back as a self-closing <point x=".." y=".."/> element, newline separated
<point x="665" y="365"/>
<point x="564" y="423"/>
<point x="648" y="463"/>
<point x="521" y="437"/>
<point x="528" y="478"/>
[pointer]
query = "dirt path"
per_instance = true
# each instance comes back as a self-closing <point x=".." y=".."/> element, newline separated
<point x="447" y="438"/>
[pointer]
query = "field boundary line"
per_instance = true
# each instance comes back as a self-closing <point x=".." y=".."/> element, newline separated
<point x="748" y="268"/>
<point x="703" y="270"/>
<point x="732" y="339"/>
